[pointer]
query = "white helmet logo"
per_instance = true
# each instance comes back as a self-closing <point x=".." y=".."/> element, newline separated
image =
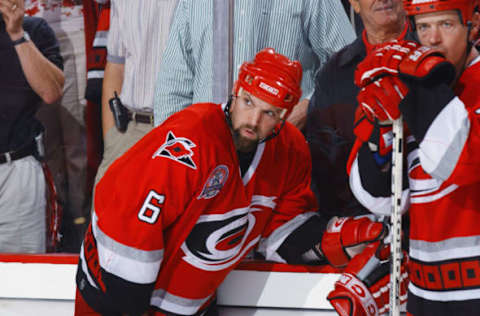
<point x="268" y="88"/>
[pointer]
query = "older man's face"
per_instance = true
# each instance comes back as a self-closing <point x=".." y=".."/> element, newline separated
<point x="380" y="15"/>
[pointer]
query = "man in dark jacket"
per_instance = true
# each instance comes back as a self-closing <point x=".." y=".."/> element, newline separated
<point x="31" y="72"/>
<point x="330" y="119"/>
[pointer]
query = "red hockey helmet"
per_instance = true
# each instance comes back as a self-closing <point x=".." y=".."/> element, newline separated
<point x="273" y="78"/>
<point x="465" y="7"/>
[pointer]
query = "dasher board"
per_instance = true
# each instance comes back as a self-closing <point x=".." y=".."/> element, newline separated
<point x="260" y="287"/>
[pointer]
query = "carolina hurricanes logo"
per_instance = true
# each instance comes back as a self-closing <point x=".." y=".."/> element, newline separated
<point x="218" y="241"/>
<point x="177" y="149"/>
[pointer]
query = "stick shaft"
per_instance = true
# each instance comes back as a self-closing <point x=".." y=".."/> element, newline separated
<point x="396" y="218"/>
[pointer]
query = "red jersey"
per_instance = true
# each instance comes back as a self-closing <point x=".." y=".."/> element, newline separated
<point x="174" y="212"/>
<point x="443" y="200"/>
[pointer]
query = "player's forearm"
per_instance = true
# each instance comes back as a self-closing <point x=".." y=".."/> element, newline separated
<point x="112" y="82"/>
<point x="45" y="78"/>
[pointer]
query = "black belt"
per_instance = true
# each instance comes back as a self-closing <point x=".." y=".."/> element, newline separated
<point x="140" y="118"/>
<point x="18" y="154"/>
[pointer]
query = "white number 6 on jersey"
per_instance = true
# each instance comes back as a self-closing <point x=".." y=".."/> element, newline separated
<point x="150" y="211"/>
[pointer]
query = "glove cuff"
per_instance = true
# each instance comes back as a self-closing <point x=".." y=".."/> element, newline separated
<point x="331" y="245"/>
<point x="348" y="284"/>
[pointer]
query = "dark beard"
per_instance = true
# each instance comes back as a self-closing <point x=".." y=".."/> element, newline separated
<point x="242" y="144"/>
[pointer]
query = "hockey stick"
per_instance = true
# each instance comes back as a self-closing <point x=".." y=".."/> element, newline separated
<point x="396" y="217"/>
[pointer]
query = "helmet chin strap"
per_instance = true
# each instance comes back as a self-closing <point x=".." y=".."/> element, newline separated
<point x="274" y="133"/>
<point x="469" y="42"/>
<point x="226" y="110"/>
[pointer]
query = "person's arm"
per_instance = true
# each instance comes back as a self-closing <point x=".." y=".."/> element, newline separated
<point x="112" y="82"/>
<point x="295" y="210"/>
<point x="328" y="30"/>
<point x="446" y="129"/>
<point x="298" y="117"/>
<point x="45" y="78"/>
<point x="297" y="234"/>
<point x="174" y="86"/>
<point x="115" y="67"/>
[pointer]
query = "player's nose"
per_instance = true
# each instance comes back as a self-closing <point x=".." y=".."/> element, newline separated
<point x="255" y="117"/>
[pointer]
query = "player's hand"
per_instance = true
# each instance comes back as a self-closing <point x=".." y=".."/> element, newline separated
<point x="347" y="236"/>
<point x="363" y="288"/>
<point x="12" y="13"/>
<point x="380" y="99"/>
<point x="378" y="135"/>
<point x="406" y="59"/>
<point x="382" y="61"/>
<point x="426" y="65"/>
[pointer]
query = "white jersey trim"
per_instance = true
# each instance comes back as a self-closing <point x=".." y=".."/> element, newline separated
<point x="85" y="268"/>
<point x="126" y="268"/>
<point x="255" y="162"/>
<point x="444" y="296"/>
<point x="176" y="304"/>
<point x="453" y="248"/>
<point x="423" y="185"/>
<point x="433" y="197"/>
<point x="377" y="205"/>
<point x="443" y="143"/>
<point x="128" y="263"/>
<point x="267" y="201"/>
<point x="269" y="246"/>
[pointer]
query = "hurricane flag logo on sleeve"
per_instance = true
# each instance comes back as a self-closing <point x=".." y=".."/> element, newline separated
<point x="178" y="149"/>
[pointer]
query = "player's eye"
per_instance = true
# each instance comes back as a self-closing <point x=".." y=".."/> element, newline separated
<point x="273" y="115"/>
<point x="422" y="28"/>
<point x="247" y="101"/>
<point x="447" y="25"/>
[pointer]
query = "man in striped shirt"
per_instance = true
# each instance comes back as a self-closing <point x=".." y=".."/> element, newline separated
<point x="137" y="36"/>
<point x="193" y="69"/>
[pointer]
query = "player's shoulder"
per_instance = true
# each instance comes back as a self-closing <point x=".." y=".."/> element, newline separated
<point x="467" y="86"/>
<point x="200" y="120"/>
<point x="190" y="137"/>
<point x="292" y="141"/>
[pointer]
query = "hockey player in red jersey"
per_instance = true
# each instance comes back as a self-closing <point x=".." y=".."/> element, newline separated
<point x="435" y="89"/>
<point x="176" y="213"/>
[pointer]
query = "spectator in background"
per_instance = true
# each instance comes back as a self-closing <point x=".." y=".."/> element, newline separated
<point x="193" y="66"/>
<point x="330" y="118"/>
<point x="31" y="68"/>
<point x="137" y="35"/>
<point x="65" y="136"/>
